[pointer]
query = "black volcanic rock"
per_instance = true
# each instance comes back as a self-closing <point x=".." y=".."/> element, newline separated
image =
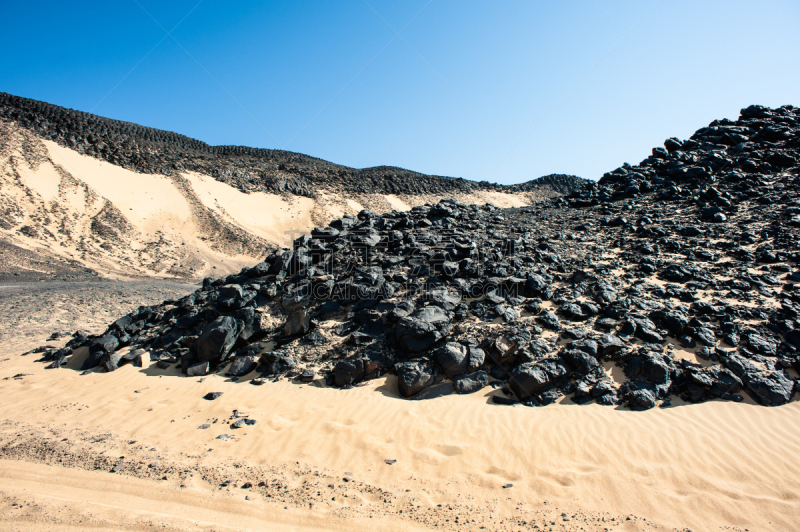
<point x="413" y="377"/>
<point x="217" y="339"/>
<point x="471" y="382"/>
<point x="530" y="379"/>
<point x="768" y="386"/>
<point x="423" y="329"/>
<point x="628" y="272"/>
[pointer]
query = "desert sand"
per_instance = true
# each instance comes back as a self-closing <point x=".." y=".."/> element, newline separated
<point x="123" y="451"/>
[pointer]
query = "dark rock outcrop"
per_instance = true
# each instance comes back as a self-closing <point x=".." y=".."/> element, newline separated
<point x="623" y="275"/>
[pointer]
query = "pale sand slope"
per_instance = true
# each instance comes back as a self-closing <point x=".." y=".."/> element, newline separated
<point x="704" y="467"/>
<point x="123" y="223"/>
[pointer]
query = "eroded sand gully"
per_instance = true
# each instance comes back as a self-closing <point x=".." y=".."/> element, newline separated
<point x="704" y="467"/>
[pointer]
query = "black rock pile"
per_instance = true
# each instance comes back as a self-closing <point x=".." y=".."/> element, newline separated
<point x="674" y="278"/>
<point x="150" y="150"/>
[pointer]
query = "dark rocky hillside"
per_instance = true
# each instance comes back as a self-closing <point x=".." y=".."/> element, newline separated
<point x="151" y="150"/>
<point x="561" y="183"/>
<point x="673" y="279"/>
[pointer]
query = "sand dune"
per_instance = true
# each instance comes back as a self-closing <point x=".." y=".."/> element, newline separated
<point x="122" y="223"/>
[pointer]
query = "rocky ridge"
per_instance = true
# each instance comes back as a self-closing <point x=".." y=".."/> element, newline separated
<point x="673" y="278"/>
<point x="155" y="151"/>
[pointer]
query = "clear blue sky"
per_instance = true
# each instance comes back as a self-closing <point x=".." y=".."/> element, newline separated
<point x="504" y="91"/>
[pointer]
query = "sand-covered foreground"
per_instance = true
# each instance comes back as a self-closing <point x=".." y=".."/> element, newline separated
<point x="321" y="454"/>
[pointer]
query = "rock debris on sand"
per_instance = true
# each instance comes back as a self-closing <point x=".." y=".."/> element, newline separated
<point x="680" y="271"/>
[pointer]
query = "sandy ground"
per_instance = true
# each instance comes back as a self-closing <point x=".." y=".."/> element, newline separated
<point x="34" y="310"/>
<point x="123" y="451"/>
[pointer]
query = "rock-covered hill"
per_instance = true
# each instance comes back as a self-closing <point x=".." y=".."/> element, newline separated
<point x="155" y="151"/>
<point x="672" y="280"/>
<point x="122" y="200"/>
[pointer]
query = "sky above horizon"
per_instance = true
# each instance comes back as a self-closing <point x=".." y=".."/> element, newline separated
<point x="503" y="91"/>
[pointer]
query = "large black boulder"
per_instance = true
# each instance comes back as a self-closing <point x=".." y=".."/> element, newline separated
<point x="705" y="336"/>
<point x="242" y="365"/>
<point x="587" y="345"/>
<point x="348" y="371"/>
<point x="106" y="344"/>
<point x="641" y="396"/>
<point x="580" y="360"/>
<point x="550" y="321"/>
<point x="656" y="367"/>
<point x="443" y="297"/>
<point x="453" y="358"/>
<point x="529" y="379"/>
<point x="230" y="296"/>
<point x="716" y="380"/>
<point x="111" y="362"/>
<point x="761" y="343"/>
<point x="539" y="349"/>
<point x="471" y="382"/>
<point x="99" y="350"/>
<point x="609" y="345"/>
<point x="298" y="323"/>
<point x="276" y="363"/>
<point x="413" y="377"/>
<point x="423" y="329"/>
<point x="217" y="339"/>
<point x="535" y="285"/>
<point x="251" y="323"/>
<point x="770" y="387"/>
<point x="672" y="320"/>
<point x="457" y="359"/>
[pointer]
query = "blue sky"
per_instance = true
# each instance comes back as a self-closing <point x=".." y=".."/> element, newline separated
<point x="503" y="91"/>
